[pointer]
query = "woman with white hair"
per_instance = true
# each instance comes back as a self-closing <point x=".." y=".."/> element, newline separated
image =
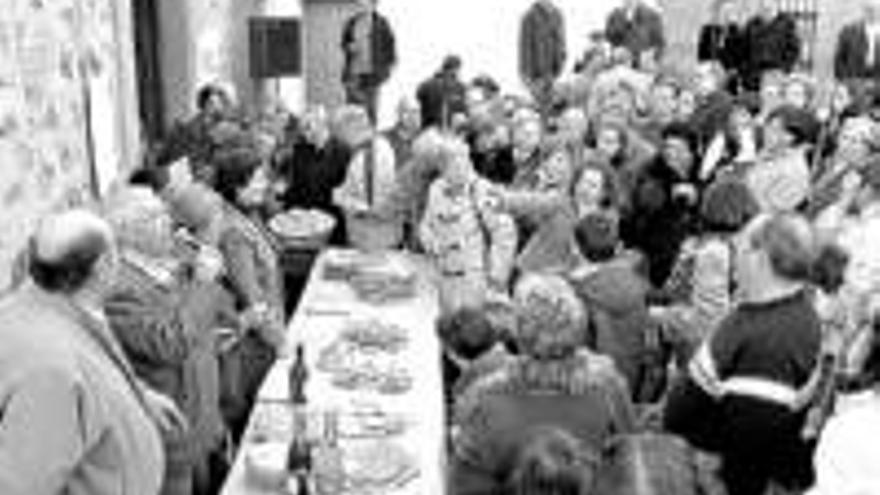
<point x="166" y="322"/>
<point x="858" y="138"/>
<point x="553" y="383"/>
<point x="471" y="243"/>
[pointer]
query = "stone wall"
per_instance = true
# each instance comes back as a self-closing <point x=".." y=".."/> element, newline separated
<point x="61" y="62"/>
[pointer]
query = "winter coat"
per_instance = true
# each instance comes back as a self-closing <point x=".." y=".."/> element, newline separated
<point x="542" y="43"/>
<point x="583" y="394"/>
<point x="615" y="297"/>
<point x="383" y="50"/>
<point x="641" y="33"/>
<point x="772" y="45"/>
<point x="851" y="55"/>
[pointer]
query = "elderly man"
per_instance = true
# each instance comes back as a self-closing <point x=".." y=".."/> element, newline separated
<point x="75" y="418"/>
<point x="405" y="131"/>
<point x="747" y="388"/>
<point x="857" y="54"/>
<point x="166" y="320"/>
<point x="368" y="193"/>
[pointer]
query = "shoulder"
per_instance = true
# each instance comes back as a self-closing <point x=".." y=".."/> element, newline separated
<point x="713" y="249"/>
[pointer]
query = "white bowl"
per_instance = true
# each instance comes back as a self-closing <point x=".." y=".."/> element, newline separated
<point x="267" y="464"/>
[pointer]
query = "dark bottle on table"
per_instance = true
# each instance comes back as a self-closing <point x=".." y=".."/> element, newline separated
<point x="299" y="455"/>
<point x="297" y="377"/>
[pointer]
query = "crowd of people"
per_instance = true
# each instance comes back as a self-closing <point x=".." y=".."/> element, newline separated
<point x="662" y="281"/>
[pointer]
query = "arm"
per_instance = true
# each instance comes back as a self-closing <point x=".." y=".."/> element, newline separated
<point x="147" y="330"/>
<point x="502" y="239"/>
<point x="350" y="194"/>
<point x="710" y="295"/>
<point x="238" y="255"/>
<point x="427" y="224"/>
<point x="47" y="430"/>
<point x="548" y="198"/>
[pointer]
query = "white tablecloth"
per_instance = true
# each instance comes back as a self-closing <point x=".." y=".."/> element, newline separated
<point x="326" y="307"/>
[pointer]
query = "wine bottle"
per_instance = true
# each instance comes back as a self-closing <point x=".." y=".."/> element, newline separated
<point x="299" y="455"/>
<point x="298" y="376"/>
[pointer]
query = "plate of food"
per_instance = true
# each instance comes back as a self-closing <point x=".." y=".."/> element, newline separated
<point x="374" y="335"/>
<point x="374" y="423"/>
<point x="390" y="381"/>
<point x="384" y="286"/>
<point x="378" y="464"/>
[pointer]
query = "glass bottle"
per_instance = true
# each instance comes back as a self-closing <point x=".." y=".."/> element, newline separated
<point x="330" y="473"/>
<point x="299" y="455"/>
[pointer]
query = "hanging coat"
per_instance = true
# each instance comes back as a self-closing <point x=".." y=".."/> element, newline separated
<point x="542" y="43"/>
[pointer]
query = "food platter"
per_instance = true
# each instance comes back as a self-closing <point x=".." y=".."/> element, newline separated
<point x="302" y="227"/>
<point x="374" y="335"/>
<point x="373" y="277"/>
<point x="378" y="465"/>
<point x="366" y="357"/>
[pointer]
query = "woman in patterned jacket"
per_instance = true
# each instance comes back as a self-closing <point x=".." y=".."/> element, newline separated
<point x="471" y="243"/>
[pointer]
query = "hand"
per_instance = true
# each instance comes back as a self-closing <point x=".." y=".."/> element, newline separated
<point x="685" y="191"/>
<point x="658" y="312"/>
<point x="208" y="264"/>
<point x="165" y="413"/>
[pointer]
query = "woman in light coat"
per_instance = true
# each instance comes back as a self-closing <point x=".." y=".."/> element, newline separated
<point x="470" y="242"/>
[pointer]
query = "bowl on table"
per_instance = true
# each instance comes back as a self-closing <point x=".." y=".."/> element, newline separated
<point x="303" y="229"/>
<point x="266" y="465"/>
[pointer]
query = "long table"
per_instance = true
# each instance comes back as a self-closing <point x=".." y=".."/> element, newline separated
<point x="326" y="308"/>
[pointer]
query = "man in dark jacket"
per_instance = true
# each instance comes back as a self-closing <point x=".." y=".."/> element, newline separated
<point x="370" y="54"/>
<point x="316" y="167"/>
<point x="721" y="40"/>
<point x="772" y="43"/>
<point x="858" y="46"/>
<point x="636" y="27"/>
<point x="443" y="95"/>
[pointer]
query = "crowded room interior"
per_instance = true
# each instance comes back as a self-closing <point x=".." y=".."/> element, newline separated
<point x="413" y="247"/>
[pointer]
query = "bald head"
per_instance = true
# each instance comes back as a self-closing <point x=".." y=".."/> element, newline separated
<point x="66" y="248"/>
